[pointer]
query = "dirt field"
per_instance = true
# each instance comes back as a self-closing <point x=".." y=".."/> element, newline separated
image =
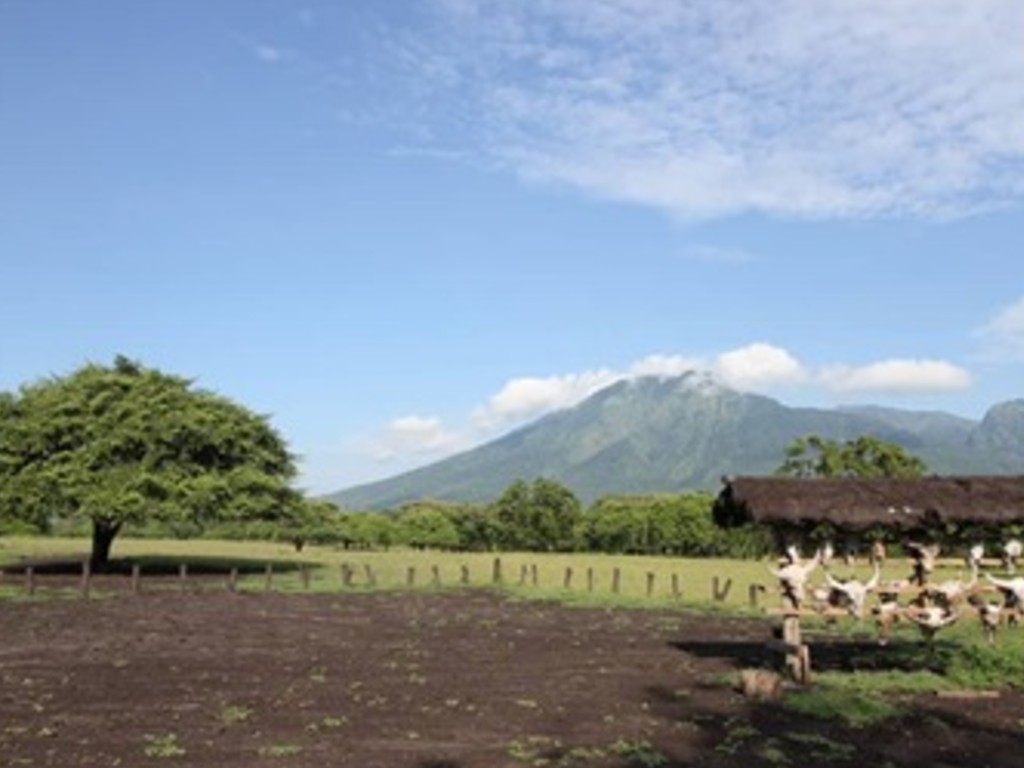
<point x="426" y="680"/>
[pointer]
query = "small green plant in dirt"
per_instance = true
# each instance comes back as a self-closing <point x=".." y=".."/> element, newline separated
<point x="163" y="746"/>
<point x="233" y="713"/>
<point x="772" y="753"/>
<point x="856" y="708"/>
<point x="639" y="753"/>
<point x="823" y="748"/>
<point x="532" y="750"/>
<point x="280" y="750"/>
<point x="738" y="734"/>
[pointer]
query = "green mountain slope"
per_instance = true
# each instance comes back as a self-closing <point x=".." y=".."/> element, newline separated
<point x="651" y="435"/>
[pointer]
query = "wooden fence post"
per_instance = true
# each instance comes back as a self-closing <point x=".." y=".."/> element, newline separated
<point x="268" y="577"/>
<point x="590" y="579"/>
<point x="533" y="574"/>
<point x="410" y="576"/>
<point x="465" y="574"/>
<point x="616" y="576"/>
<point x="524" y="569"/>
<point x="233" y="580"/>
<point x="798" y="657"/>
<point x="182" y="575"/>
<point x="30" y="580"/>
<point x="754" y="594"/>
<point x="496" y="573"/>
<point x="304" y="573"/>
<point x="371" y="577"/>
<point x="86" y="579"/>
<point x="347" y="575"/>
<point x="435" y="575"/>
<point x="719" y="591"/>
<point x="136" y="578"/>
<point x="650" y="583"/>
<point x="675" y="586"/>
<point x="567" y="583"/>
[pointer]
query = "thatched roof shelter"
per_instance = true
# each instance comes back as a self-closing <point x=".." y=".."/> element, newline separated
<point x="857" y="504"/>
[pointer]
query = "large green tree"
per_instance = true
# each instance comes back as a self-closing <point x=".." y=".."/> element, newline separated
<point x="126" y="444"/>
<point x="814" y="456"/>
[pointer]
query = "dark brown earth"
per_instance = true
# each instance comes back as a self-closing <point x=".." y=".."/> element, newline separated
<point x="428" y="680"/>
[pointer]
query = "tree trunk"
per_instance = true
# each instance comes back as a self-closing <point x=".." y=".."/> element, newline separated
<point x="103" y="533"/>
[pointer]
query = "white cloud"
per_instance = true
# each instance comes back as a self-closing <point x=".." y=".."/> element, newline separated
<point x="1003" y="335"/>
<point x="792" y="107"/>
<point x="922" y="376"/>
<point x="415" y="435"/>
<point x="759" y="366"/>
<point x="525" y="398"/>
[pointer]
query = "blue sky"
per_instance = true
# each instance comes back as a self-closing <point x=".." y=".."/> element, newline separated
<point x="403" y="228"/>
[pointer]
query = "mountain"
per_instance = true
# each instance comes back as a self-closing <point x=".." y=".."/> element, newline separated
<point x="655" y="434"/>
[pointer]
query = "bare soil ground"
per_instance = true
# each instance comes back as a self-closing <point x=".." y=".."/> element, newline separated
<point x="428" y="680"/>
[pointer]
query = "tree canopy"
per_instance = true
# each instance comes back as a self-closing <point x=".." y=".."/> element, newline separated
<point x="126" y="444"/>
<point x="814" y="456"/>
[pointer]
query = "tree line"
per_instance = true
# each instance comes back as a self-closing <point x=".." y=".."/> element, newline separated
<point x="125" y="447"/>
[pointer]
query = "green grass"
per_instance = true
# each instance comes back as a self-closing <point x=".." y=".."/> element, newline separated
<point x="391" y="569"/>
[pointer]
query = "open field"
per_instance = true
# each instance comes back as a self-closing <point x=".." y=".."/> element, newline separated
<point x="451" y="679"/>
<point x="456" y="678"/>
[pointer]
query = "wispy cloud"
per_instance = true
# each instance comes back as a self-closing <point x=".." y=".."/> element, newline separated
<point x="1002" y="337"/>
<point x="791" y="107"/>
<point x="892" y="376"/>
<point x="414" y="435"/>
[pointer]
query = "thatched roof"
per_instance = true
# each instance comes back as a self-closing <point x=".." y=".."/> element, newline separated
<point x="857" y="503"/>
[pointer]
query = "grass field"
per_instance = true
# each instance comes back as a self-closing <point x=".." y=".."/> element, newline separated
<point x="961" y="658"/>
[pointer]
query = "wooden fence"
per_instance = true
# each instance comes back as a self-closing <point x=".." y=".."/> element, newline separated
<point x="351" y="577"/>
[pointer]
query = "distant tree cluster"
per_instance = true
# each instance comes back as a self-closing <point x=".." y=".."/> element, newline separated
<point x="545" y="516"/>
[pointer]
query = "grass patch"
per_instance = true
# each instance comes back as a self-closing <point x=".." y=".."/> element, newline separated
<point x="163" y="746"/>
<point x="856" y="708"/>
